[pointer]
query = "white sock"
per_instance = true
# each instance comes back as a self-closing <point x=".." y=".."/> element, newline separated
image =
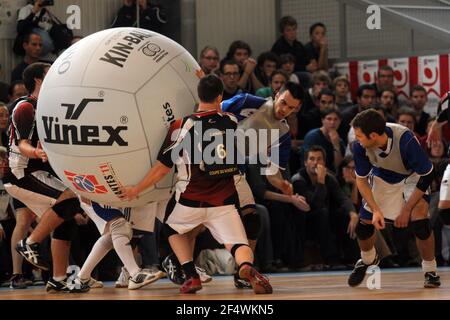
<point x="429" y="266"/>
<point x="125" y="252"/>
<point x="98" y="252"/>
<point x="61" y="278"/>
<point x="368" y="256"/>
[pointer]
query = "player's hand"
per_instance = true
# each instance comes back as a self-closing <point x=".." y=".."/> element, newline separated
<point x="129" y="193"/>
<point x="335" y="139"/>
<point x="354" y="219"/>
<point x="403" y="219"/>
<point x="300" y="202"/>
<point x="40" y="153"/>
<point x="378" y="220"/>
<point x="434" y="134"/>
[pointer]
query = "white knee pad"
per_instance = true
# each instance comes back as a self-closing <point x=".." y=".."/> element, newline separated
<point x="120" y="228"/>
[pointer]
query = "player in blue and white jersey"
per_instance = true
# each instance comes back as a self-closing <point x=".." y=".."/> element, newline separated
<point x="393" y="176"/>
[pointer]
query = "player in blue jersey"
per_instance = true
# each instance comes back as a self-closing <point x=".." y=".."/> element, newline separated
<point x="433" y="137"/>
<point x="393" y="175"/>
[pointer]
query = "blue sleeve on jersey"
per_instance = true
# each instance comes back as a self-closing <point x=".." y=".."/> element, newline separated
<point x="242" y="105"/>
<point x="362" y="162"/>
<point x="413" y="155"/>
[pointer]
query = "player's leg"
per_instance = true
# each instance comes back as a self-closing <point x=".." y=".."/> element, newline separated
<point x="226" y="227"/>
<point x="423" y="233"/>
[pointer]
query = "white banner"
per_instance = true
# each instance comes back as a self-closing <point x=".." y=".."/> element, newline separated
<point x="429" y="78"/>
<point x="367" y="72"/>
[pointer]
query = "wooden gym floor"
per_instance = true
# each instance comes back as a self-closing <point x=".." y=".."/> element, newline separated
<point x="395" y="284"/>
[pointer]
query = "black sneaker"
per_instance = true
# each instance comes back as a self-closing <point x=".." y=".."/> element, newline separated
<point x="57" y="286"/>
<point x="432" y="280"/>
<point x="241" y="283"/>
<point x="173" y="269"/>
<point x="359" y="272"/>
<point x="31" y="253"/>
<point x="17" y="282"/>
<point x="80" y="286"/>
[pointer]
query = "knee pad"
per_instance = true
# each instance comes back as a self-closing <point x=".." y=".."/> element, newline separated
<point x="252" y="225"/>
<point x="68" y="208"/>
<point x="235" y="247"/>
<point x="120" y="228"/>
<point x="421" y="228"/>
<point x="445" y="215"/>
<point x="364" y="231"/>
<point x="65" y="231"/>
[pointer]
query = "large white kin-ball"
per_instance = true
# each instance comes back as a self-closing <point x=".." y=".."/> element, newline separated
<point x="105" y="106"/>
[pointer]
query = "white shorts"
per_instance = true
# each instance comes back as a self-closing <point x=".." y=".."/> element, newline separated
<point x="39" y="191"/>
<point x="244" y="192"/>
<point x="223" y="222"/>
<point x="390" y="198"/>
<point x="444" y="193"/>
<point x="140" y="218"/>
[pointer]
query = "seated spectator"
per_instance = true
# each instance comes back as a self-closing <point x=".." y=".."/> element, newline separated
<point x="342" y="92"/>
<point x="286" y="239"/>
<point x="241" y="52"/>
<point x="151" y="17"/>
<point x="387" y="97"/>
<point x="267" y="63"/>
<point x="317" y="48"/>
<point x="385" y="78"/>
<point x="35" y="18"/>
<point x="277" y="80"/>
<point x="229" y="73"/>
<point x="209" y="60"/>
<point x="288" y="43"/>
<point x="328" y="138"/>
<point x="32" y="44"/>
<point x="406" y="117"/>
<point x="366" y="98"/>
<point x="320" y="80"/>
<point x="418" y="100"/>
<point x="326" y="99"/>
<point x="332" y="214"/>
<point x="287" y="63"/>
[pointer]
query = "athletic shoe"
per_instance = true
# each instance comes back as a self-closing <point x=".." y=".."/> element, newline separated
<point x="91" y="283"/>
<point x="140" y="279"/>
<point x="173" y="269"/>
<point x="57" y="286"/>
<point x="241" y="283"/>
<point x="204" y="277"/>
<point x="359" y="272"/>
<point x="17" y="282"/>
<point x="155" y="271"/>
<point x="81" y="286"/>
<point x="123" y="280"/>
<point x="260" y="284"/>
<point x="191" y="285"/>
<point x="37" y="278"/>
<point x="432" y="280"/>
<point x="31" y="253"/>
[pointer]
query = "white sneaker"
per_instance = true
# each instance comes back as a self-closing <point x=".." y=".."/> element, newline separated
<point x="123" y="280"/>
<point x="204" y="277"/>
<point x="93" y="284"/>
<point x="143" y="278"/>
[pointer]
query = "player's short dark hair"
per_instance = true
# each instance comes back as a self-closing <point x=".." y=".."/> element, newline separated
<point x="316" y="148"/>
<point x="287" y="21"/>
<point x="314" y="26"/>
<point x="34" y="71"/>
<point x="369" y="121"/>
<point x="209" y="88"/>
<point x="294" y="89"/>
